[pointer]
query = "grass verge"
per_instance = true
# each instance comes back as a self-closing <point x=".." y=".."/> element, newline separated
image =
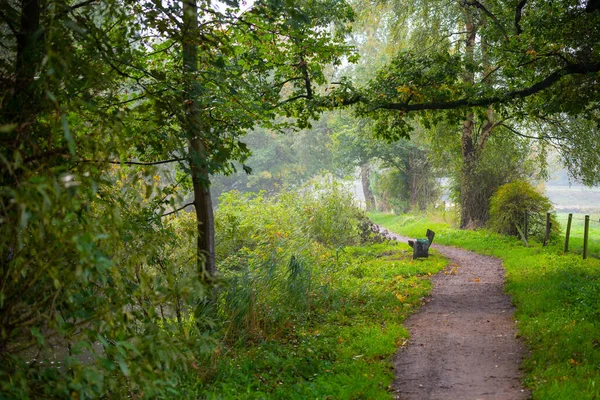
<point x="344" y="350"/>
<point x="558" y="305"/>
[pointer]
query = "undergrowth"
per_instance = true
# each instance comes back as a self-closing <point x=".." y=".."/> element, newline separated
<point x="558" y="304"/>
<point x="344" y="349"/>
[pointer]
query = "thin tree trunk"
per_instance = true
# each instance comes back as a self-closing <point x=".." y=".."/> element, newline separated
<point x="22" y="103"/>
<point x="197" y="152"/>
<point x="204" y="214"/>
<point x="364" y="178"/>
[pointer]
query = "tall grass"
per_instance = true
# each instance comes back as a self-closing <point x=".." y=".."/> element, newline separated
<point x="267" y="249"/>
<point x="558" y="305"/>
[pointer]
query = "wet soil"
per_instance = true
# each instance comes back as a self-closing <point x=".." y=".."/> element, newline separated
<point x="463" y="340"/>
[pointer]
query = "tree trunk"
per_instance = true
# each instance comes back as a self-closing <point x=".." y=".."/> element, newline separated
<point x="364" y="178"/>
<point x="469" y="215"/>
<point x="474" y="199"/>
<point x="204" y="214"/>
<point x="468" y="187"/>
<point x="22" y="103"/>
<point x="197" y="153"/>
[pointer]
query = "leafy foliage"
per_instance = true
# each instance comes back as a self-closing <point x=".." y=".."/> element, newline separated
<point x="504" y="159"/>
<point x="516" y="201"/>
<point x="529" y="66"/>
<point x="280" y="160"/>
<point x="483" y="69"/>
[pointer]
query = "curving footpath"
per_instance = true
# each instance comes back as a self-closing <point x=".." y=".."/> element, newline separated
<point x="463" y="340"/>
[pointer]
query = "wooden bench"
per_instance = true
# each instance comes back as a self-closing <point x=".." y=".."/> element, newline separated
<point x="421" y="246"/>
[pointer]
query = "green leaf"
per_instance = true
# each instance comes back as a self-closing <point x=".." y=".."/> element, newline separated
<point x="68" y="136"/>
<point x="122" y="365"/>
<point x="37" y="334"/>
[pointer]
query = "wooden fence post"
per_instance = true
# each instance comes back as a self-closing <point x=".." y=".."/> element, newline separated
<point x="526" y="233"/>
<point x="586" y="232"/>
<point x="568" y="232"/>
<point x="548" y="227"/>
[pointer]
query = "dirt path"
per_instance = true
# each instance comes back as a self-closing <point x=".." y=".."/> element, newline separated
<point x="463" y="343"/>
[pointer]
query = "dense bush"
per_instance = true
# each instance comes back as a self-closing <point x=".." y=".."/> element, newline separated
<point x="391" y="191"/>
<point x="512" y="203"/>
<point x="268" y="247"/>
<point x="96" y="295"/>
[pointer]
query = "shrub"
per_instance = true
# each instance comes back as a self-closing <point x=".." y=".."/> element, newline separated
<point x="509" y="206"/>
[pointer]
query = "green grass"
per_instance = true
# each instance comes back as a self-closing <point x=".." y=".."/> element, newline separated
<point x="558" y="305"/>
<point x="345" y="350"/>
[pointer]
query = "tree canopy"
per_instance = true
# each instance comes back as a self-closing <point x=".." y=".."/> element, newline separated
<point x="535" y="64"/>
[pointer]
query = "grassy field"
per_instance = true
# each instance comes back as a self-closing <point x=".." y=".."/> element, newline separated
<point x="558" y="305"/>
<point x="345" y="350"/>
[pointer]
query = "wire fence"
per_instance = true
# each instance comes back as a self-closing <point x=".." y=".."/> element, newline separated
<point x="581" y="233"/>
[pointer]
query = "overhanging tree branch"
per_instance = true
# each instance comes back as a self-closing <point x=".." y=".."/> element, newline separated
<point x="292" y="99"/>
<point x="133" y="162"/>
<point x="547" y="82"/>
<point x="177" y="210"/>
<point x="548" y="139"/>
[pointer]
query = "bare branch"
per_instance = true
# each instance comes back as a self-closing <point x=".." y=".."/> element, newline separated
<point x="177" y="210"/>
<point x="490" y="73"/>
<point x="487" y="12"/>
<point x="133" y="162"/>
<point x="518" y="15"/>
<point x="547" y="139"/>
<point x="120" y="103"/>
<point x="292" y="99"/>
